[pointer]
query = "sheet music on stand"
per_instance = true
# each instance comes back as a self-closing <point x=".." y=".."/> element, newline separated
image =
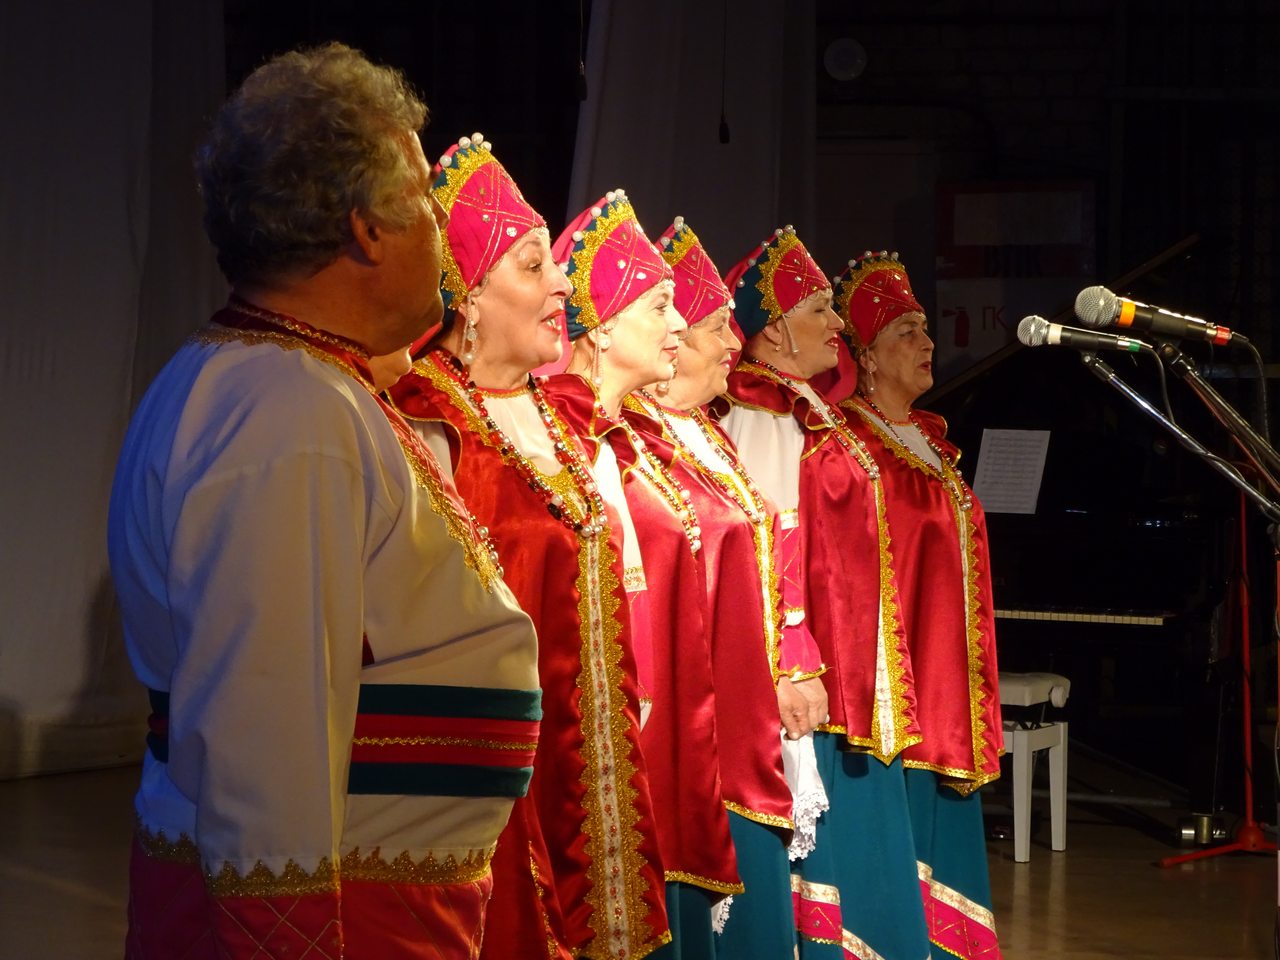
<point x="1010" y="468"/>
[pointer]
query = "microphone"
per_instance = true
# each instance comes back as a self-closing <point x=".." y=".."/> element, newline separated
<point x="1099" y="307"/>
<point x="1036" y="331"/>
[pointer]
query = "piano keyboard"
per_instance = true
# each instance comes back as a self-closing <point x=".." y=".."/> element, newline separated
<point x="1071" y="616"/>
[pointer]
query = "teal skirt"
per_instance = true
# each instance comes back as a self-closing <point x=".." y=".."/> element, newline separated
<point x="951" y="846"/>
<point x="689" y="917"/>
<point x="858" y="893"/>
<point x="761" y="921"/>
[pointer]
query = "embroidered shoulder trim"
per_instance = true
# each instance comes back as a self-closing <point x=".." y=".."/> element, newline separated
<point x="475" y="550"/>
<point x="215" y="335"/>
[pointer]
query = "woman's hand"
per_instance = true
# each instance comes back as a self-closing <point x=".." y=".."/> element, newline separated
<point x="815" y="695"/>
<point x="793" y="708"/>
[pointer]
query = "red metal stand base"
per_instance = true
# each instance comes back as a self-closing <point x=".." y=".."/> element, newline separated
<point x="1249" y="839"/>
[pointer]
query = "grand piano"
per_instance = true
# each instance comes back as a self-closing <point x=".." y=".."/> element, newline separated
<point x="1120" y="579"/>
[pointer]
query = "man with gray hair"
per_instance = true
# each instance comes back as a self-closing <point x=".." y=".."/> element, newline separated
<point x="344" y="691"/>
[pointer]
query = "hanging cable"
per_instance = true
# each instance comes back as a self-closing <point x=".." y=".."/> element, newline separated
<point x="724" y="68"/>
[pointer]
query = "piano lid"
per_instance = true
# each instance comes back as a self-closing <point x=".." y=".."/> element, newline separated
<point x="1126" y="521"/>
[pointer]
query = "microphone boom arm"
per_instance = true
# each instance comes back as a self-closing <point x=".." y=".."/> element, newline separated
<point x="1222" y="411"/>
<point x="1104" y="373"/>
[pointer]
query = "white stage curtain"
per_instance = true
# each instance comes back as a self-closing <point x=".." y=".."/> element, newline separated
<point x="105" y="271"/>
<point x="651" y="120"/>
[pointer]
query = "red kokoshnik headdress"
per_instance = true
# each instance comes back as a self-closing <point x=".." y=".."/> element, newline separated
<point x="610" y="262"/>
<point x="872" y="292"/>
<point x="487" y="214"/>
<point x="699" y="290"/>
<point x="776" y="276"/>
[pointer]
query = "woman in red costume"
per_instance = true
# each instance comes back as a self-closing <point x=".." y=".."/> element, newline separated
<point x="939" y="537"/>
<point x="576" y="872"/>
<point x="626" y="334"/>
<point x="752" y="657"/>
<point x="858" y="891"/>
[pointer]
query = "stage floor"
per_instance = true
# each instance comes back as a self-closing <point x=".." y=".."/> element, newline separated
<point x="64" y="848"/>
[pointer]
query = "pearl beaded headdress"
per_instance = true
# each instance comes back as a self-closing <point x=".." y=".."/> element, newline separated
<point x="610" y="262"/>
<point x="776" y="276"/>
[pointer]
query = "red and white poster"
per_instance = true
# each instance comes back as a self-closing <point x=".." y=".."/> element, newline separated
<point x="1007" y="249"/>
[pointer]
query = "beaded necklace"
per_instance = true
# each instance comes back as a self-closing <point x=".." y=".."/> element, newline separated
<point x="593" y="510"/>
<point x="958" y="489"/>
<point x="671" y="489"/>
<point x="854" y="445"/>
<point x="753" y="504"/>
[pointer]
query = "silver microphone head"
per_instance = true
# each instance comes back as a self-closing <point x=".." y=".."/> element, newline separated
<point x="1097" y="306"/>
<point x="1033" y="331"/>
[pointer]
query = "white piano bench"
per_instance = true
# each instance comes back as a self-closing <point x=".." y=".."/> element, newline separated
<point x="1022" y="741"/>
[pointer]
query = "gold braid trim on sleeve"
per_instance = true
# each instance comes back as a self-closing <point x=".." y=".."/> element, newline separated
<point x="715" y="886"/>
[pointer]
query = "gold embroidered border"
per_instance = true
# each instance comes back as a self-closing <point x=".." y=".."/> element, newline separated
<point x="947" y="474"/>
<point x="159" y="847"/>
<point x="463" y="164"/>
<point x="770" y="581"/>
<point x="405" y="869"/>
<point x="751" y="406"/>
<point x="815" y="892"/>
<point x="767" y="819"/>
<point x="773" y="254"/>
<point x="897" y="739"/>
<point x="965" y="529"/>
<point x="612" y="838"/>
<point x="892" y="443"/>
<point x="474" y="554"/>
<point x="215" y="335"/>
<point x="593" y="238"/>
<point x="857" y="948"/>
<point x="979" y="693"/>
<point x="964" y="782"/>
<point x="561" y="482"/>
<point x="304" y="330"/>
<point x="796" y="675"/>
<point x="761" y="537"/>
<point x="970" y="909"/>
<point x="682" y="242"/>
<point x="715" y="886"/>
<point x="443" y="741"/>
<point x="262" y="881"/>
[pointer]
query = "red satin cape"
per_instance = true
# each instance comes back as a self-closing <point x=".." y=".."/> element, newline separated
<point x="679" y="739"/>
<point x="944" y="582"/>
<point x="588" y="837"/>
<point x="850" y="585"/>
<point x="747" y="722"/>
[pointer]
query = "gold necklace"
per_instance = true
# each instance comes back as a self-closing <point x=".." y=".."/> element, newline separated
<point x="947" y="471"/>
<point x="755" y="508"/>
<point x="668" y="487"/>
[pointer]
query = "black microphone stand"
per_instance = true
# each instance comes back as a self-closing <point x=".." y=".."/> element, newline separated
<point x="1249" y="837"/>
<point x="1103" y="372"/>
<point x="1223" y="412"/>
